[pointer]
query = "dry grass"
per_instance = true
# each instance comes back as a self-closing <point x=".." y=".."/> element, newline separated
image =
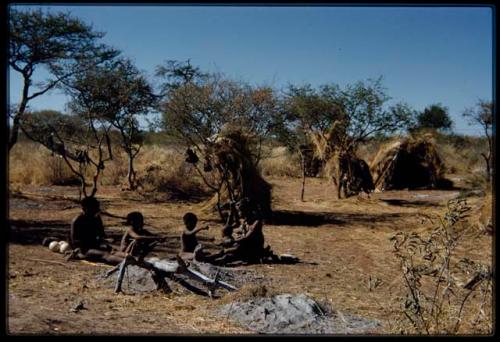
<point x="162" y="169"/>
<point x="33" y="164"/>
<point x="279" y="162"/>
<point x="159" y="169"/>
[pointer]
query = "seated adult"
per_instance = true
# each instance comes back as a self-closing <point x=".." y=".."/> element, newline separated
<point x="87" y="238"/>
<point x="248" y="246"/>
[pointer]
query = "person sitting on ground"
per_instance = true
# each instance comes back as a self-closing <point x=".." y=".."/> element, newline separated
<point x="87" y="238"/>
<point x="188" y="236"/>
<point x="248" y="246"/>
<point x="137" y="241"/>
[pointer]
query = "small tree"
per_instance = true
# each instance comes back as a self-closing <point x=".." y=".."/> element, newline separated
<point x="482" y="115"/>
<point x="66" y="136"/>
<point x="56" y="42"/>
<point x="125" y="94"/>
<point x="92" y="99"/>
<point x="435" y="117"/>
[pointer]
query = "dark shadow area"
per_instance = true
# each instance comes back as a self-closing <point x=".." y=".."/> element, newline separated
<point x="299" y="218"/>
<point x="405" y="203"/>
<point x="26" y="232"/>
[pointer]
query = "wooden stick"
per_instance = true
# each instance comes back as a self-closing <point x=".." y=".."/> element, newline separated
<point x="121" y="273"/>
<point x="303" y="177"/>
<point x="48" y="261"/>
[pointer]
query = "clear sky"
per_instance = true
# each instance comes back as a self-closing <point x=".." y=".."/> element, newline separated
<point x="425" y="54"/>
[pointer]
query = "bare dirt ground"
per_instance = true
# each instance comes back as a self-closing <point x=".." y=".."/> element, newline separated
<point x="341" y="243"/>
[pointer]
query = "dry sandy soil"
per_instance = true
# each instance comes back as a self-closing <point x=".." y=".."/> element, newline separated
<point x="341" y="243"/>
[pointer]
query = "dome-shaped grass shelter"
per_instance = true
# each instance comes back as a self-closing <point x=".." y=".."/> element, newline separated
<point x="409" y="163"/>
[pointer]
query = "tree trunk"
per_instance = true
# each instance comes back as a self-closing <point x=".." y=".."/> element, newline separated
<point x="14" y="132"/>
<point x="487" y="159"/>
<point x="131" y="176"/>
<point x="303" y="177"/>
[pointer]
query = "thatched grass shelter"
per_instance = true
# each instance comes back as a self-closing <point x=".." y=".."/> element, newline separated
<point x="409" y="163"/>
<point x="350" y="174"/>
<point x="229" y="155"/>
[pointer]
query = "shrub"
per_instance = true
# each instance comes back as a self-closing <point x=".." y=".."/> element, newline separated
<point x="438" y="287"/>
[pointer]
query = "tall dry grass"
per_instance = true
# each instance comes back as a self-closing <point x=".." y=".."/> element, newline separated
<point x="280" y="162"/>
<point x="162" y="167"/>
<point x="32" y="164"/>
<point x="159" y="169"/>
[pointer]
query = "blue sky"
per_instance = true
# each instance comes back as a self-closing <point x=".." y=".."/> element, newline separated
<point x="425" y="54"/>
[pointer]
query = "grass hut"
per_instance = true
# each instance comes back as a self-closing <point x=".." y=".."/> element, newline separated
<point x="410" y="163"/>
<point x="350" y="174"/>
<point x="230" y="157"/>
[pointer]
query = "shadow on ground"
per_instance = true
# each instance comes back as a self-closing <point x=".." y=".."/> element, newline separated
<point x="307" y="219"/>
<point x="406" y="203"/>
<point x="28" y="232"/>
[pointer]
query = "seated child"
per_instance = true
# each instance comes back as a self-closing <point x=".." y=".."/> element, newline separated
<point x="138" y="241"/>
<point x="188" y="236"/>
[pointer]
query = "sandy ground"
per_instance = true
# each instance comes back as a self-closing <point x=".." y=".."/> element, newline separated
<point x="341" y="243"/>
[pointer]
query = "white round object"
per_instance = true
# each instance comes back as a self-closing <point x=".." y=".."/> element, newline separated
<point x="63" y="247"/>
<point x="54" y="246"/>
<point x="61" y="242"/>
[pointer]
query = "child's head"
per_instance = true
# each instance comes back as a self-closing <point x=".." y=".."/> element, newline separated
<point x="135" y="219"/>
<point x="90" y="206"/>
<point x="190" y="220"/>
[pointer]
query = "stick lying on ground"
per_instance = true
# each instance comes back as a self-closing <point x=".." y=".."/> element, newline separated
<point x="163" y="268"/>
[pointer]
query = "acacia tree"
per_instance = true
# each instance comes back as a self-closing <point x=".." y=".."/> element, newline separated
<point x="91" y="99"/>
<point x="196" y="106"/>
<point x="124" y="94"/>
<point x="350" y="115"/>
<point x="56" y="42"/>
<point x="482" y="115"/>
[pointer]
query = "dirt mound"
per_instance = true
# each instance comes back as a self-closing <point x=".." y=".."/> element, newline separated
<point x="295" y="314"/>
<point x="410" y="163"/>
<point x="136" y="280"/>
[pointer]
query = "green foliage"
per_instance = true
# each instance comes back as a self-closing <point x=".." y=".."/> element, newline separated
<point x="350" y="115"/>
<point x="41" y="125"/>
<point x="436" y="117"/>
<point x="38" y="38"/>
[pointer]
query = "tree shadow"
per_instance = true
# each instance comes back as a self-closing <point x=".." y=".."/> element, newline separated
<point x="26" y="232"/>
<point x="406" y="203"/>
<point x="307" y="219"/>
